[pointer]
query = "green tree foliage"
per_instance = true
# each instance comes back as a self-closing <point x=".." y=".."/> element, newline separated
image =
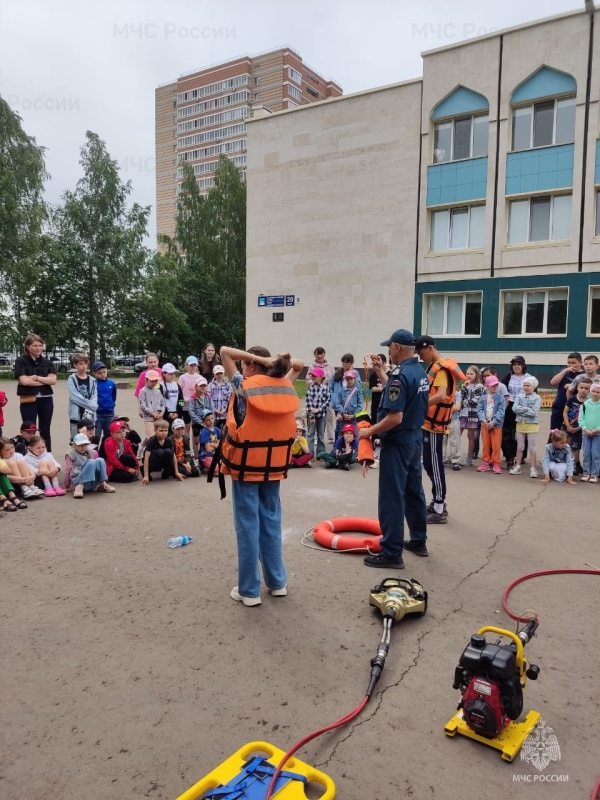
<point x="22" y="213"/>
<point x="210" y="247"/>
<point x="99" y="256"/>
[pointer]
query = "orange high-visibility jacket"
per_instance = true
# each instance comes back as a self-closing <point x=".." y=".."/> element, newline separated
<point x="438" y="417"/>
<point x="260" y="448"/>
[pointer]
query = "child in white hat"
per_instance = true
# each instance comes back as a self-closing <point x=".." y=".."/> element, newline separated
<point x="527" y="412"/>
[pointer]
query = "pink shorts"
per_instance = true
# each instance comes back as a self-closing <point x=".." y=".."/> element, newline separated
<point x="467" y="424"/>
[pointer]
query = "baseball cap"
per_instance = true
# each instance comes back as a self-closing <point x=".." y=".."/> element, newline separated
<point x="208" y="412"/>
<point x="121" y="419"/>
<point x="350" y="374"/>
<point x="348" y="427"/>
<point x="424" y="341"/>
<point x="98" y="365"/>
<point x="81" y="438"/>
<point x="169" y="368"/>
<point x="218" y="368"/>
<point x="116" y="426"/>
<point x="491" y="380"/>
<point x="518" y="360"/>
<point x="28" y="426"/>
<point x="318" y="372"/>
<point x="401" y="336"/>
<point x="178" y="423"/>
<point x="152" y="375"/>
<point x="201" y="381"/>
<point x="191" y="360"/>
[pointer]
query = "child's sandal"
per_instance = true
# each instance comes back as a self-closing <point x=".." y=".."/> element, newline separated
<point x="585" y="478"/>
<point x="19" y="503"/>
<point x="7" y="505"/>
<point x="593" y="479"/>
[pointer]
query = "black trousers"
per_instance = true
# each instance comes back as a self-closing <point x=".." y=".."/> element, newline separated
<point x="509" y="435"/>
<point x="121" y="475"/>
<point x="433" y="461"/>
<point x="162" y="460"/>
<point x="195" y="472"/>
<point x="40" y="413"/>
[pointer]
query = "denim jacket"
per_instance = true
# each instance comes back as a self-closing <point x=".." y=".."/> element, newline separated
<point x="527" y="407"/>
<point x="499" y="408"/>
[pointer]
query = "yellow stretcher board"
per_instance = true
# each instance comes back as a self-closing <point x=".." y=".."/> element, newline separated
<point x="246" y="775"/>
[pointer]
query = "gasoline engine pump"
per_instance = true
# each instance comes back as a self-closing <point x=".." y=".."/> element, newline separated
<point x="491" y="679"/>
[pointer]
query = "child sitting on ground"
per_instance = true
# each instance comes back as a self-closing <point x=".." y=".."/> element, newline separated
<point x="21" y="441"/>
<point x="45" y="466"/>
<point x="83" y="472"/>
<point x="209" y="440"/>
<point x="557" y="459"/>
<point x="159" y="455"/>
<point x="8" y="499"/>
<point x="121" y="464"/>
<point x="345" y="450"/>
<point x="301" y="455"/>
<point x="152" y="402"/>
<point x="571" y="421"/>
<point x="527" y="411"/>
<point x="183" y="451"/>
<point x="490" y="410"/>
<point x="20" y="473"/>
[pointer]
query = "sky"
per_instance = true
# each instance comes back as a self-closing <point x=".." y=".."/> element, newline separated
<point x="69" y="66"/>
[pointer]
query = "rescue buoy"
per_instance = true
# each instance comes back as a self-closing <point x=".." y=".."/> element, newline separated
<point x="326" y="534"/>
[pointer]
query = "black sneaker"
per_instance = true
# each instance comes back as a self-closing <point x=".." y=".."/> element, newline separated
<point x="383" y="562"/>
<point x="431" y="509"/>
<point x="456" y="467"/>
<point x="418" y="548"/>
<point x="436" y="519"/>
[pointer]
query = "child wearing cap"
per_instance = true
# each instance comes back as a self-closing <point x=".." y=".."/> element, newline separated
<point x="21" y="441"/>
<point x="199" y="403"/>
<point x="345" y="450"/>
<point x="121" y="464"/>
<point x="152" y="402"/>
<point x="183" y="451"/>
<point x="83" y="472"/>
<point x="172" y="393"/>
<point x="526" y="409"/>
<point x="301" y="455"/>
<point x="152" y="362"/>
<point x="219" y="390"/>
<point x="83" y="393"/>
<point x="317" y="404"/>
<point x="107" y="399"/>
<point x="348" y="401"/>
<point x="187" y="381"/>
<point x="589" y="421"/>
<point x="490" y="410"/>
<point x="45" y="466"/>
<point x="209" y="440"/>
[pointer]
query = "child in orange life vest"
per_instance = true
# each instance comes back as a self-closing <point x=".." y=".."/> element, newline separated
<point x="366" y="455"/>
<point x="301" y="455"/>
<point x="263" y="409"/>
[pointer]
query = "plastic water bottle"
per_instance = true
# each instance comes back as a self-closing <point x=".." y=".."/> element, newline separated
<point x="179" y="541"/>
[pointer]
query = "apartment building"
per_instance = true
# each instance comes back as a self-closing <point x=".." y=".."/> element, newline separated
<point x="202" y="116"/>
<point x="465" y="205"/>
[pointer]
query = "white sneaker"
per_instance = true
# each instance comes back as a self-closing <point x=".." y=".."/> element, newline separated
<point x="28" y="492"/>
<point x="514" y="471"/>
<point x="247" y="601"/>
<point x="375" y="464"/>
<point x="533" y="473"/>
<point x="279" y="592"/>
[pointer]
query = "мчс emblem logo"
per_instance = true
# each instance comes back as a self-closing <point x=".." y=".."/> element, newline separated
<point x="540" y="747"/>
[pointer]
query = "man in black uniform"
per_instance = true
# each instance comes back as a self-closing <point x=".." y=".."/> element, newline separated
<point x="401" y="413"/>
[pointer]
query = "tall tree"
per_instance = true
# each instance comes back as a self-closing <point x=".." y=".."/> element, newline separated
<point x="22" y="213"/>
<point x="100" y="248"/>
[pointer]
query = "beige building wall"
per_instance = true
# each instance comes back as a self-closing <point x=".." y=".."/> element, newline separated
<point x="332" y="215"/>
<point x="165" y="139"/>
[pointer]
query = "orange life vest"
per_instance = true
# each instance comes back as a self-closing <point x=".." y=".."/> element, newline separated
<point x="260" y="448"/>
<point x="438" y="417"/>
<point x="365" y="446"/>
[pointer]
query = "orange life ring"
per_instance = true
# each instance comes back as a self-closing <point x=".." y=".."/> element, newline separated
<point x="326" y="534"/>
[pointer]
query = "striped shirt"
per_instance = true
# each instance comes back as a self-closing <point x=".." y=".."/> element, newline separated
<point x="219" y="393"/>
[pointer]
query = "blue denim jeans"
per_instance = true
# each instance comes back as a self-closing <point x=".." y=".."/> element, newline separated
<point x="591" y="455"/>
<point x="92" y="474"/>
<point x="103" y="424"/>
<point x="317" y="426"/>
<point x="257" y="520"/>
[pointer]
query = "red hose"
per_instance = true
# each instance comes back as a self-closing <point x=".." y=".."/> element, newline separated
<point x="343" y="721"/>
<point x="512" y="585"/>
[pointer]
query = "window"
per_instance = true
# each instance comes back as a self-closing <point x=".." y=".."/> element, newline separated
<point x="295" y="75"/>
<point x="256" y="81"/>
<point x="540" y="219"/>
<point x="594" y="324"/>
<point x="310" y="90"/>
<point x="544" y="124"/>
<point x="536" y="311"/>
<point x="457" y="228"/>
<point x="453" y="314"/>
<point x="598" y="213"/>
<point x="464" y="137"/>
<point x="295" y="93"/>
